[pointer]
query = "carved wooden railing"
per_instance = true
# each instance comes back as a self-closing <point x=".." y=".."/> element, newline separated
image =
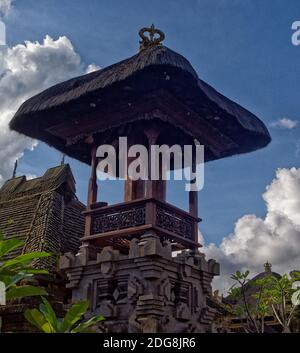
<point x="119" y="223"/>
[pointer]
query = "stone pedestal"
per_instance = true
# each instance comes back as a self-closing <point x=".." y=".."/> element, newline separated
<point x="149" y="290"/>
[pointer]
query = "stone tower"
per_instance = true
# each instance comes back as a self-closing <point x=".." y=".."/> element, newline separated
<point x="126" y="265"/>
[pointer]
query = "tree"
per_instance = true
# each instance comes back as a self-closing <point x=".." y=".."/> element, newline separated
<point x="270" y="295"/>
<point x="252" y="309"/>
<point x="46" y="321"/>
<point x="282" y="296"/>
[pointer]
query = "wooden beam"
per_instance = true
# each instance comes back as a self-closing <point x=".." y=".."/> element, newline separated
<point x="152" y="135"/>
<point x="193" y="201"/>
<point x="93" y="188"/>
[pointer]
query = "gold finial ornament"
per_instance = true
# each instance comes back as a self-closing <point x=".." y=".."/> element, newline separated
<point x="151" y="39"/>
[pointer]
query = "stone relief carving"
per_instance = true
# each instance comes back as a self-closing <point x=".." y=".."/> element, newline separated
<point x="147" y="290"/>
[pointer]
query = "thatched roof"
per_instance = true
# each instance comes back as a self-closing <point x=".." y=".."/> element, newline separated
<point x="156" y="79"/>
<point x="43" y="212"/>
<point x="75" y="88"/>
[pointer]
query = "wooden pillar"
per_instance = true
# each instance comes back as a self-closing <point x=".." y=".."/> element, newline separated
<point x="161" y="185"/>
<point x="133" y="189"/>
<point x="92" y="191"/>
<point x="93" y="188"/>
<point x="151" y="185"/>
<point x="137" y="189"/>
<point x="193" y="203"/>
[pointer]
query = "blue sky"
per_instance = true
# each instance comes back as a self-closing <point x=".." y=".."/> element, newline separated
<point x="242" y="48"/>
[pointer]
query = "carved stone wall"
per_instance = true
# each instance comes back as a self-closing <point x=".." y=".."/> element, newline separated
<point x="147" y="290"/>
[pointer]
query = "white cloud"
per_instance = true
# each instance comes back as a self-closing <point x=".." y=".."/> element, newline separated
<point x="5" y="7"/>
<point x="92" y="68"/>
<point x="285" y="123"/>
<point x="255" y="240"/>
<point x="30" y="176"/>
<point x="25" y="70"/>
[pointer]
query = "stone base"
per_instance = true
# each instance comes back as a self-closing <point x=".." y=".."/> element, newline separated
<point x="147" y="290"/>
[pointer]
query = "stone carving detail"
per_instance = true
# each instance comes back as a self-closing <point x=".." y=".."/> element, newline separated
<point x="174" y="222"/>
<point x="165" y="289"/>
<point x="181" y="292"/>
<point x="105" y="298"/>
<point x="207" y="315"/>
<point x="146" y="290"/>
<point x="118" y="220"/>
<point x="182" y="312"/>
<point x="135" y="289"/>
<point x="195" y="300"/>
<point x="120" y="292"/>
<point x="111" y="291"/>
<point x="104" y="290"/>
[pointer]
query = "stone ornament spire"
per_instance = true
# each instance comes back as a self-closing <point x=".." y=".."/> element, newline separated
<point x="268" y="267"/>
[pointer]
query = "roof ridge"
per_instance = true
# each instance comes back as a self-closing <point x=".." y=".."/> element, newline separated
<point x="42" y="184"/>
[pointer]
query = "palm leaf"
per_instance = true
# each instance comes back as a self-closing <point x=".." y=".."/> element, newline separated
<point x="23" y="259"/>
<point x="74" y="314"/>
<point x="84" y="326"/>
<point x="8" y="245"/>
<point x="48" y="312"/>
<point x="38" y="320"/>
<point x="9" y="281"/>
<point x="24" y="291"/>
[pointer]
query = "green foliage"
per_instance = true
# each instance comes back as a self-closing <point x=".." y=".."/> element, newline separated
<point x="234" y="292"/>
<point x="251" y="310"/>
<point x="278" y="295"/>
<point x="240" y="276"/>
<point x="271" y="295"/>
<point x="46" y="321"/>
<point x="18" y="269"/>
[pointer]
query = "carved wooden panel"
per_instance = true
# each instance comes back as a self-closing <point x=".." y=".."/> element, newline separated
<point x="114" y="220"/>
<point x="174" y="222"/>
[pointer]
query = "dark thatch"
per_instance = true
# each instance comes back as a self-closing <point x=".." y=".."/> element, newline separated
<point x="77" y="87"/>
<point x="43" y="212"/>
<point x="156" y="79"/>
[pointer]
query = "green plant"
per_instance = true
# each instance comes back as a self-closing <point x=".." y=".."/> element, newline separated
<point x="251" y="310"/>
<point x="46" y="321"/>
<point x="270" y="295"/>
<point x="278" y="294"/>
<point x="16" y="271"/>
